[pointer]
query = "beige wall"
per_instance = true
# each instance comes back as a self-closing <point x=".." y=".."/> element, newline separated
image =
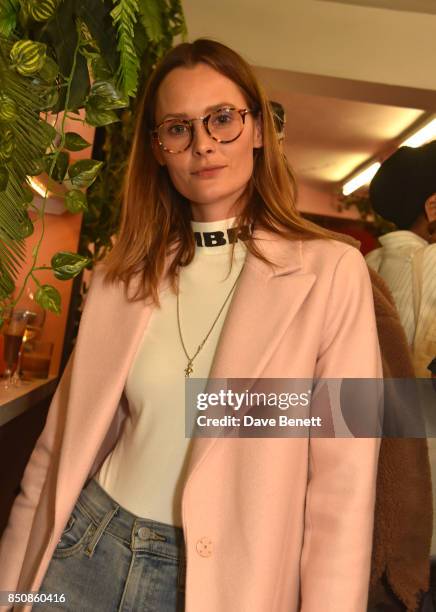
<point x="316" y="200"/>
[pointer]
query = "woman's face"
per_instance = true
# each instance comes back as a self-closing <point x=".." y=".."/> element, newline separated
<point x="210" y="174"/>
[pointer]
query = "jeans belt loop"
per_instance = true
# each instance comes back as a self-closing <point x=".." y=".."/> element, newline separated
<point x="89" y="550"/>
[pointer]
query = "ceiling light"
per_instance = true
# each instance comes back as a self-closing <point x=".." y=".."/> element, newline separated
<point x="360" y="179"/>
<point x="39" y="187"/>
<point x="423" y="135"/>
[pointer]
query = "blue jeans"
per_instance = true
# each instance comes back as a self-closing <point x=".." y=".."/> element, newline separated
<point x="109" y="560"/>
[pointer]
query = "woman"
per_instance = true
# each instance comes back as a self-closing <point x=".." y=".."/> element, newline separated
<point x="114" y="498"/>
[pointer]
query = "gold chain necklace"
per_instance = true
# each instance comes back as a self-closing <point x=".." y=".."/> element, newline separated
<point x="189" y="368"/>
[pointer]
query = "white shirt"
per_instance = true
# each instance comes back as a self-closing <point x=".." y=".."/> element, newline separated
<point x="394" y="264"/>
<point x="144" y="472"/>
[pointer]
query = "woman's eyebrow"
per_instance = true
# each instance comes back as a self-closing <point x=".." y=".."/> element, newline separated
<point x="206" y="110"/>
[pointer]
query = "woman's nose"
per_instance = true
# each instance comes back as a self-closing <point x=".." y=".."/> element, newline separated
<point x="202" y="143"/>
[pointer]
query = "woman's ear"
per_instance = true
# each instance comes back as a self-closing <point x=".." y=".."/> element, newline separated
<point x="430" y="208"/>
<point x="157" y="152"/>
<point x="258" y="132"/>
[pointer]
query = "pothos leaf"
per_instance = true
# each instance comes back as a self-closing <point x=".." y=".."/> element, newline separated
<point x="75" y="201"/>
<point x="84" y="172"/>
<point x="48" y="297"/>
<point x="99" y="118"/>
<point x="67" y="265"/>
<point x="74" y="142"/>
<point x="61" y="165"/>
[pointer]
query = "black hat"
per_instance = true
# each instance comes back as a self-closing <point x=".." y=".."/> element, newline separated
<point x="403" y="183"/>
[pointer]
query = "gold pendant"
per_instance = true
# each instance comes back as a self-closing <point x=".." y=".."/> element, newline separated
<point x="189" y="369"/>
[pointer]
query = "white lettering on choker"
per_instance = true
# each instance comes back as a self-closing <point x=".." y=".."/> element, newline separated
<point x="220" y="238"/>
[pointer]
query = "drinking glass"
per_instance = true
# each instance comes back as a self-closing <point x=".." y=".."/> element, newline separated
<point x="35" y="318"/>
<point x="36" y="363"/>
<point x="13" y="333"/>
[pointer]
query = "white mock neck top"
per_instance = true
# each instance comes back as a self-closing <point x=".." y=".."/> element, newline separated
<point x="145" y="471"/>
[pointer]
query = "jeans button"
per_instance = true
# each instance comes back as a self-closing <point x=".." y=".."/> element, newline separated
<point x="143" y="533"/>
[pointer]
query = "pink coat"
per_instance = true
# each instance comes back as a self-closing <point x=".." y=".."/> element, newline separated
<point x="290" y="522"/>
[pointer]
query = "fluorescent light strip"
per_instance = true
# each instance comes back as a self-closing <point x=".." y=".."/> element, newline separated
<point x="361" y="179"/>
<point x="423" y="135"/>
<point x="420" y="137"/>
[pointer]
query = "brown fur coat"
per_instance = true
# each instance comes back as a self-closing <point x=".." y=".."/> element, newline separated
<point x="403" y="512"/>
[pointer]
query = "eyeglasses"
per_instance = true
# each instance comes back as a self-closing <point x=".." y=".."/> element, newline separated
<point x="223" y="125"/>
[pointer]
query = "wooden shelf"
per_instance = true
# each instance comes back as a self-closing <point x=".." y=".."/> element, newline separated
<point x="16" y="400"/>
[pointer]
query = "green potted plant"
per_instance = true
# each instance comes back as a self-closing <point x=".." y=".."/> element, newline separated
<point x="76" y="60"/>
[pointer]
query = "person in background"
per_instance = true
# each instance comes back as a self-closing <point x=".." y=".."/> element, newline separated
<point x="279" y="117"/>
<point x="404" y="192"/>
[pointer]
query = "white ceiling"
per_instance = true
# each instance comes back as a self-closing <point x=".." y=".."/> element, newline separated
<point x="324" y="38"/>
<point x="328" y="138"/>
<point x="414" y="6"/>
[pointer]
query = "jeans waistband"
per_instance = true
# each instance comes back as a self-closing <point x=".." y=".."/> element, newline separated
<point x="140" y="533"/>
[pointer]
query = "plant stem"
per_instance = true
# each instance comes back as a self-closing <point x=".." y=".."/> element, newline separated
<point x="55" y="157"/>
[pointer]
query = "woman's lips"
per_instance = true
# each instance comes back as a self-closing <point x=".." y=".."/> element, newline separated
<point x="208" y="172"/>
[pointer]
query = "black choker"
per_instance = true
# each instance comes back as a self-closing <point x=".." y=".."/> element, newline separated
<point x="220" y="238"/>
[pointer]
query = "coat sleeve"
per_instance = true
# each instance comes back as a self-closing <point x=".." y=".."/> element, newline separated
<point x="15" y="537"/>
<point x="340" y="498"/>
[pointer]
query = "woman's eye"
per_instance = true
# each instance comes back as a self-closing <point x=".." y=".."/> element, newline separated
<point x="177" y="129"/>
<point x="223" y="119"/>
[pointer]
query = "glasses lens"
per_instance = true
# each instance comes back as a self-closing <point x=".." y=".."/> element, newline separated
<point x="225" y="125"/>
<point x="174" y="135"/>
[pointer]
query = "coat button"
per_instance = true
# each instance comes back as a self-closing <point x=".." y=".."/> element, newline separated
<point x="204" y="547"/>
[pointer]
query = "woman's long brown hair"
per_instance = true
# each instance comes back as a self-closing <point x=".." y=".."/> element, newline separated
<point x="155" y="218"/>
